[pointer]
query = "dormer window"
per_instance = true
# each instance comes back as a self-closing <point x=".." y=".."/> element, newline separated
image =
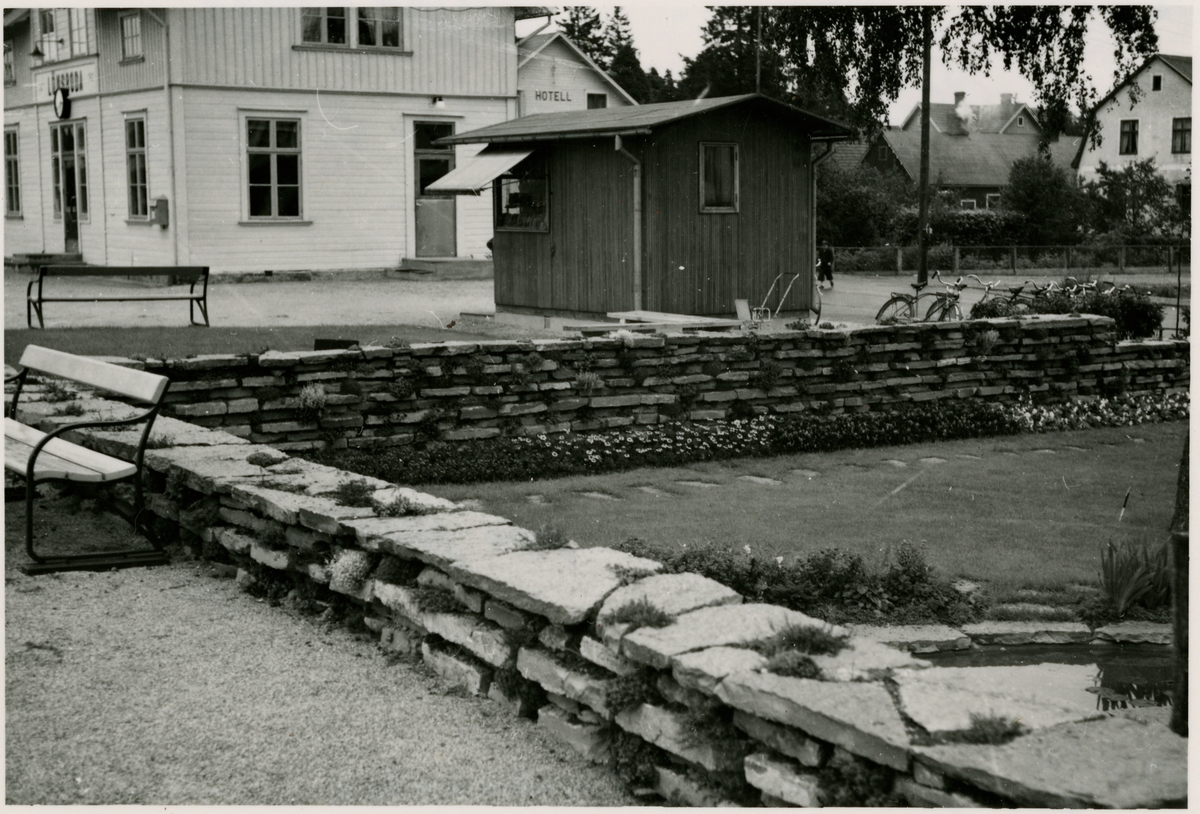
<point x="1156" y="83"/>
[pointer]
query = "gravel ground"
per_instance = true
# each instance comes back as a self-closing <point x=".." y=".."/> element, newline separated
<point x="169" y="685"/>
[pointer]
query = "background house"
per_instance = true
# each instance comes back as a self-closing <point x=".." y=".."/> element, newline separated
<point x="1149" y="115"/>
<point x="554" y="75"/>
<point x="679" y="207"/>
<point x="255" y="139"/>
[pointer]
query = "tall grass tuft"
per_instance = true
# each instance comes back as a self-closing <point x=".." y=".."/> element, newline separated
<point x="1131" y="576"/>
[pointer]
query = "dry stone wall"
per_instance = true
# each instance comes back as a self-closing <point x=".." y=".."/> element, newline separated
<point x="466" y="391"/>
<point x="689" y="703"/>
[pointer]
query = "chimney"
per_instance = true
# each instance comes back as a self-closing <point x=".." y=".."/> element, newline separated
<point x="958" y="98"/>
<point x="1006" y="99"/>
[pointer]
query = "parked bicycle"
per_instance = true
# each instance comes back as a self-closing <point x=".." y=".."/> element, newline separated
<point x="921" y="305"/>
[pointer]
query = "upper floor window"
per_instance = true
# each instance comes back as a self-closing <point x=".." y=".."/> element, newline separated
<point x="1181" y="135"/>
<point x="718" y="177"/>
<point x="131" y="35"/>
<point x="595" y="101"/>
<point x="273" y="160"/>
<point x="10" y="66"/>
<point x="77" y="21"/>
<point x="135" y="166"/>
<point x="1129" y="138"/>
<point x="46" y="21"/>
<point x="1156" y="83"/>
<point x="12" y="174"/>
<point x="379" y="26"/>
<point x="324" y="25"/>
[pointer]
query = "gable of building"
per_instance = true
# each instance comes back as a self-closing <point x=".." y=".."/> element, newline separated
<point x="1008" y="117"/>
<point x="550" y="63"/>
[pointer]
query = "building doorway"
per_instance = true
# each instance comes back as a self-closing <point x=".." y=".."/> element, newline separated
<point x="68" y="168"/>
<point x="436" y="214"/>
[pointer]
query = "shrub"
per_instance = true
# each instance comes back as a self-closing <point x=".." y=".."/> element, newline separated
<point x="265" y="459"/>
<point x="354" y="493"/>
<point x="549" y="538"/>
<point x="73" y="408"/>
<point x="400" y="506"/>
<point x="794" y="664"/>
<point x="312" y="400"/>
<point x="847" y="781"/>
<point x="995" y="730"/>
<point x="640" y="612"/>
<point x="809" y="640"/>
<point x="586" y="381"/>
<point x="634" y="689"/>
<point x="1131" y="575"/>
<point x="349" y="570"/>
<point x="397" y="571"/>
<point x="402" y="388"/>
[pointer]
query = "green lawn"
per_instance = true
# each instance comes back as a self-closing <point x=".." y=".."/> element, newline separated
<point x="185" y="341"/>
<point x="1000" y="511"/>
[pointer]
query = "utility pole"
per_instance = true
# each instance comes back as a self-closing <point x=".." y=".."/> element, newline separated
<point x="923" y="213"/>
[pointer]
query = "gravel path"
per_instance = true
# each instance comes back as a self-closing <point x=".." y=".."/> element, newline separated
<point x="169" y="685"/>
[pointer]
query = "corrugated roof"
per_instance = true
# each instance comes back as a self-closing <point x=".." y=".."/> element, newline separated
<point x="631" y="120"/>
<point x="980" y="159"/>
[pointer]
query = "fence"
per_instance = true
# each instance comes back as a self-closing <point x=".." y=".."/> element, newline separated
<point x="1080" y="260"/>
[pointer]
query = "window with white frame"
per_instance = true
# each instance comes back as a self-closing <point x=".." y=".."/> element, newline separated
<point x="131" y="35"/>
<point x="379" y="27"/>
<point x="12" y="173"/>
<point x="718" y="177"/>
<point x="46" y="21"/>
<point x="10" y="65"/>
<point x="77" y="22"/>
<point x="967" y="203"/>
<point x="273" y="167"/>
<point x="326" y="26"/>
<point x="68" y="166"/>
<point x="993" y="200"/>
<point x="135" y="167"/>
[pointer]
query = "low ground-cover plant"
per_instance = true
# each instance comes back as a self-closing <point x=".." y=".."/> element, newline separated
<point x="676" y="444"/>
<point x="1135" y="315"/>
<point x="994" y="730"/>
<point x="640" y="612"/>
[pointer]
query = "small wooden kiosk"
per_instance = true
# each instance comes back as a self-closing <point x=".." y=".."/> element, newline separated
<point x="681" y="207"/>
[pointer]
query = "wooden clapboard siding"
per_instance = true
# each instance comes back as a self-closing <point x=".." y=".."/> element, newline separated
<point x="465" y="51"/>
<point x="557" y="68"/>
<point x="116" y="75"/>
<point x="22" y="235"/>
<point x="700" y="263"/>
<point x="356" y="160"/>
<point x="135" y="244"/>
<point x="22" y="91"/>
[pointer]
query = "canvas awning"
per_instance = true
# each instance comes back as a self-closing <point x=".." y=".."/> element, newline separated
<point x="479" y="171"/>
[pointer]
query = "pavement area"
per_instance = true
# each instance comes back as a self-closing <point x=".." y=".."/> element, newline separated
<point x="854" y="300"/>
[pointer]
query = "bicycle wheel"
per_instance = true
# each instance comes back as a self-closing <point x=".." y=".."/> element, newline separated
<point x="897" y="309"/>
<point x="944" y="311"/>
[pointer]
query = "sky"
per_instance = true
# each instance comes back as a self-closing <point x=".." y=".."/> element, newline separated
<point x="664" y="32"/>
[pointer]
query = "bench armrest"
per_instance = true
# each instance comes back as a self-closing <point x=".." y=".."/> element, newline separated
<point x="147" y="416"/>
<point x="19" y="378"/>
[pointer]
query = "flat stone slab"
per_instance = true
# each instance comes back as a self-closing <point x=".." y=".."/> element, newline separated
<point x="915" y="638"/>
<point x="859" y="717"/>
<point x="598" y="495"/>
<point x="864" y="660"/>
<point x="564" y="585"/>
<point x="760" y="480"/>
<point x="712" y="627"/>
<point x="319" y="513"/>
<point x="318" y="479"/>
<point x="783" y="780"/>
<point x="1113" y="762"/>
<point x="670" y="731"/>
<point x="702" y="484"/>
<point x="942" y="699"/>
<point x="373" y="532"/>
<point x="932" y="460"/>
<point x="537" y="500"/>
<point x="445" y="548"/>
<point x="650" y="490"/>
<point x="167" y="432"/>
<point x="410" y="500"/>
<point x="211" y="468"/>
<point x="783" y="739"/>
<point x="673" y="593"/>
<point x="543" y="667"/>
<point x="895" y="463"/>
<point x="703" y="670"/>
<point x="805" y="473"/>
<point x="1027" y="632"/>
<point x="1135" y="633"/>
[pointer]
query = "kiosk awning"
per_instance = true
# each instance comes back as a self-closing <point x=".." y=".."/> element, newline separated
<point x="479" y="171"/>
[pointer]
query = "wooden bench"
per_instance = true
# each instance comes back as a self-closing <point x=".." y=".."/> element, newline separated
<point x="35" y="295"/>
<point x="40" y="456"/>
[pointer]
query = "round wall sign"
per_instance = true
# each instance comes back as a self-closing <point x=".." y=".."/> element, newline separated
<point x="62" y="103"/>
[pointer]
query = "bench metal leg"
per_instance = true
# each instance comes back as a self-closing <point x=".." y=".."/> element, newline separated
<point x="203" y="305"/>
<point x="30" y="307"/>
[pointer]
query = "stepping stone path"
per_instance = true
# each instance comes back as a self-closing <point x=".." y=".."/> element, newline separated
<point x="1075" y="449"/>
<point x="932" y="460"/>
<point x="702" y="484"/>
<point x="537" y="500"/>
<point x="650" y="490"/>
<point x="1044" y="451"/>
<point x="599" y="495"/>
<point x="759" y="479"/>
<point x="805" y="473"/>
<point x="895" y="463"/>
<point x="969" y="456"/>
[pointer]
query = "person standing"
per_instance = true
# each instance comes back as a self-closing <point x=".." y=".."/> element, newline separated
<point x="825" y="264"/>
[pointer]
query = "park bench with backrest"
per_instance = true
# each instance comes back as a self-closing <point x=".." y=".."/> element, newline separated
<point x="40" y="456"/>
<point x="197" y="295"/>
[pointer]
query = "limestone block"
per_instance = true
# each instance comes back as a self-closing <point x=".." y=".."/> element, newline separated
<point x="863" y="660"/>
<point x="519" y="704"/>
<point x="1111" y="762"/>
<point x="564" y="703"/>
<point x="163" y="506"/>
<point x="507" y="616"/>
<point x="703" y="670"/>
<point x="279" y="559"/>
<point x="564" y="585"/>
<point x="678" y="789"/>
<point x="234" y="540"/>
<point x="676" y="693"/>
<point x="1027" y="632"/>
<point x="370" y="532"/>
<point x="942" y="699"/>
<point x="713" y="627"/>
<point x="600" y="654"/>
<point x="859" y="717"/>
<point x="457" y="668"/>
<point x="589" y="740"/>
<point x="782" y="779"/>
<point x="672" y="593"/>
<point x="471" y="600"/>
<point x="1135" y="633"/>
<point x="556" y="637"/>
<point x="928" y="777"/>
<point x="920" y="796"/>
<point x="669" y="730"/>
<point x="484" y="639"/>
<point x="318" y="513"/>
<point x="555" y="676"/>
<point x="915" y="638"/>
<point x="209" y="469"/>
<point x="783" y="739"/>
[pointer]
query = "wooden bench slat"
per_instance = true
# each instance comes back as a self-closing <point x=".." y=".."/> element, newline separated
<point x="59" y="458"/>
<point x="121" y="298"/>
<point x="191" y="272"/>
<point x="126" y="381"/>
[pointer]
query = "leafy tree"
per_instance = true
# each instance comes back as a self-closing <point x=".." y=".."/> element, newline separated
<point x="582" y="26"/>
<point x="1051" y="207"/>
<point x="859" y="206"/>
<point x="1134" y="203"/>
